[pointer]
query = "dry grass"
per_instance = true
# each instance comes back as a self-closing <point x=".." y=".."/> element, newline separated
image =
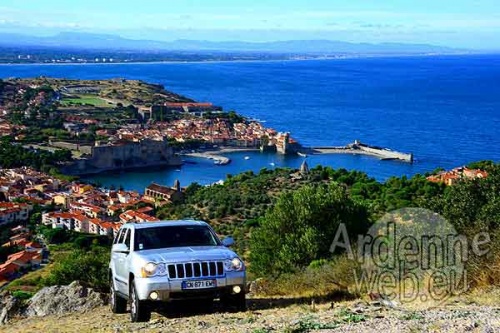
<point x="335" y="277"/>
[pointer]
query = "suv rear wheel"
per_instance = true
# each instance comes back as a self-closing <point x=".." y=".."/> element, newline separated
<point x="139" y="310"/>
<point x="117" y="303"/>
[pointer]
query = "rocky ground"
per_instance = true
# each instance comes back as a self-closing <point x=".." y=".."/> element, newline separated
<point x="271" y="315"/>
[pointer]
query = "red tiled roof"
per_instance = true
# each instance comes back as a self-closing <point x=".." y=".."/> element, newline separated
<point x="34" y="245"/>
<point x="160" y="189"/>
<point x="7" y="269"/>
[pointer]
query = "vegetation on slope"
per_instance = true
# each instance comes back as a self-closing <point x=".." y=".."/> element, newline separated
<point x="74" y="256"/>
<point x="14" y="156"/>
<point x="284" y="224"/>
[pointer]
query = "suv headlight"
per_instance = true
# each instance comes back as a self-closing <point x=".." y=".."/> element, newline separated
<point x="153" y="269"/>
<point x="234" y="264"/>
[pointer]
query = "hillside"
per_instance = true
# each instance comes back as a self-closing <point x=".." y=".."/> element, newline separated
<point x="284" y="222"/>
<point x="239" y="205"/>
<point x="113" y="90"/>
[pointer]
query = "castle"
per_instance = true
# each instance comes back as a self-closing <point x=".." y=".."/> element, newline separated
<point x="125" y="154"/>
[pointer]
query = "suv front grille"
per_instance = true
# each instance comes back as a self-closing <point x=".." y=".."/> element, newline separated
<point x="196" y="269"/>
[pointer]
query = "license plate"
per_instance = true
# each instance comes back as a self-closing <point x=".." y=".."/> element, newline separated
<point x="199" y="284"/>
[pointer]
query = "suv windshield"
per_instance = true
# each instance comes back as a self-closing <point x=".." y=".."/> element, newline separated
<point x="174" y="236"/>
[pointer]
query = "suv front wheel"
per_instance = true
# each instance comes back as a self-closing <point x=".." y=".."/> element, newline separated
<point x="236" y="303"/>
<point x="139" y="310"/>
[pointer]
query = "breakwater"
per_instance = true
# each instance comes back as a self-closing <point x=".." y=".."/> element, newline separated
<point x="361" y="148"/>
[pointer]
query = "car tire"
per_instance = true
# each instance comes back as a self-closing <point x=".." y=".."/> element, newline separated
<point x="139" y="310"/>
<point x="117" y="303"/>
<point x="236" y="303"/>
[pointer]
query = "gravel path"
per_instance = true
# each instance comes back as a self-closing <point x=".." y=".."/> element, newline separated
<point x="356" y="316"/>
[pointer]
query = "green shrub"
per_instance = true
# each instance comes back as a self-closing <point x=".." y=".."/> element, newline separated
<point x="301" y="227"/>
<point x="22" y="295"/>
<point x="89" y="267"/>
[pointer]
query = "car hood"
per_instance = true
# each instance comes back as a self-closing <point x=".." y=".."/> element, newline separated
<point x="186" y="254"/>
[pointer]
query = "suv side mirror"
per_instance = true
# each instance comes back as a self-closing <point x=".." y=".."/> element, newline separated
<point x="228" y="241"/>
<point x="120" y="248"/>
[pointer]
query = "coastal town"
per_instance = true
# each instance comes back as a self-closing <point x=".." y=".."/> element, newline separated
<point x="113" y="125"/>
<point x="91" y="120"/>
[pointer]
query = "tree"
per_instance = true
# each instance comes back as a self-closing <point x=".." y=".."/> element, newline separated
<point x="35" y="219"/>
<point x="301" y="227"/>
<point x="474" y="204"/>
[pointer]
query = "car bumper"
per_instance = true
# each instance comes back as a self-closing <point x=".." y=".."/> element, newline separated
<point x="168" y="290"/>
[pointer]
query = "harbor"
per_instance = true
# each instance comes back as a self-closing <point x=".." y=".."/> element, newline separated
<point x="356" y="148"/>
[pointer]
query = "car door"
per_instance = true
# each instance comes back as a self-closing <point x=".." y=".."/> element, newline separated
<point x="120" y="260"/>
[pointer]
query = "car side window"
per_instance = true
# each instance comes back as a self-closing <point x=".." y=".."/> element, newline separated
<point x="122" y="236"/>
<point x="118" y="235"/>
<point x="127" y="238"/>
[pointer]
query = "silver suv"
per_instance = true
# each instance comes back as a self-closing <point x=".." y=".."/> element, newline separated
<point x="173" y="260"/>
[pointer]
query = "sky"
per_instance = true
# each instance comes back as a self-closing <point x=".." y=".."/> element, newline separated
<point x="458" y="23"/>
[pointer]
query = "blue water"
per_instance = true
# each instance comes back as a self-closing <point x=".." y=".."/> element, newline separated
<point x="444" y="109"/>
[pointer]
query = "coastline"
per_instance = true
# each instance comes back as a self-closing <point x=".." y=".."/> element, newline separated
<point x="178" y="62"/>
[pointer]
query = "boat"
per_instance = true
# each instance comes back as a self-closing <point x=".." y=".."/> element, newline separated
<point x="222" y="162"/>
<point x="247" y="157"/>
<point x="272" y="164"/>
<point x="301" y="154"/>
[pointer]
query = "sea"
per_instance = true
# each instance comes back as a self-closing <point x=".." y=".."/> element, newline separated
<point x="443" y="109"/>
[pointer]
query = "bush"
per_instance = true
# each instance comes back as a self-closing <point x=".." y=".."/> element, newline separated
<point x="89" y="267"/>
<point x="22" y="295"/>
<point x="301" y="227"/>
<point x="473" y="206"/>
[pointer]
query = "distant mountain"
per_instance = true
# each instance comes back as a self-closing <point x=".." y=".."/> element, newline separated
<point x="311" y="46"/>
<point x="112" y="42"/>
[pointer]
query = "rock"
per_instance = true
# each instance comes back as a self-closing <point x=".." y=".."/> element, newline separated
<point x="64" y="299"/>
<point x="389" y="303"/>
<point x="382" y="300"/>
<point x="9" y="307"/>
<point x="256" y="286"/>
